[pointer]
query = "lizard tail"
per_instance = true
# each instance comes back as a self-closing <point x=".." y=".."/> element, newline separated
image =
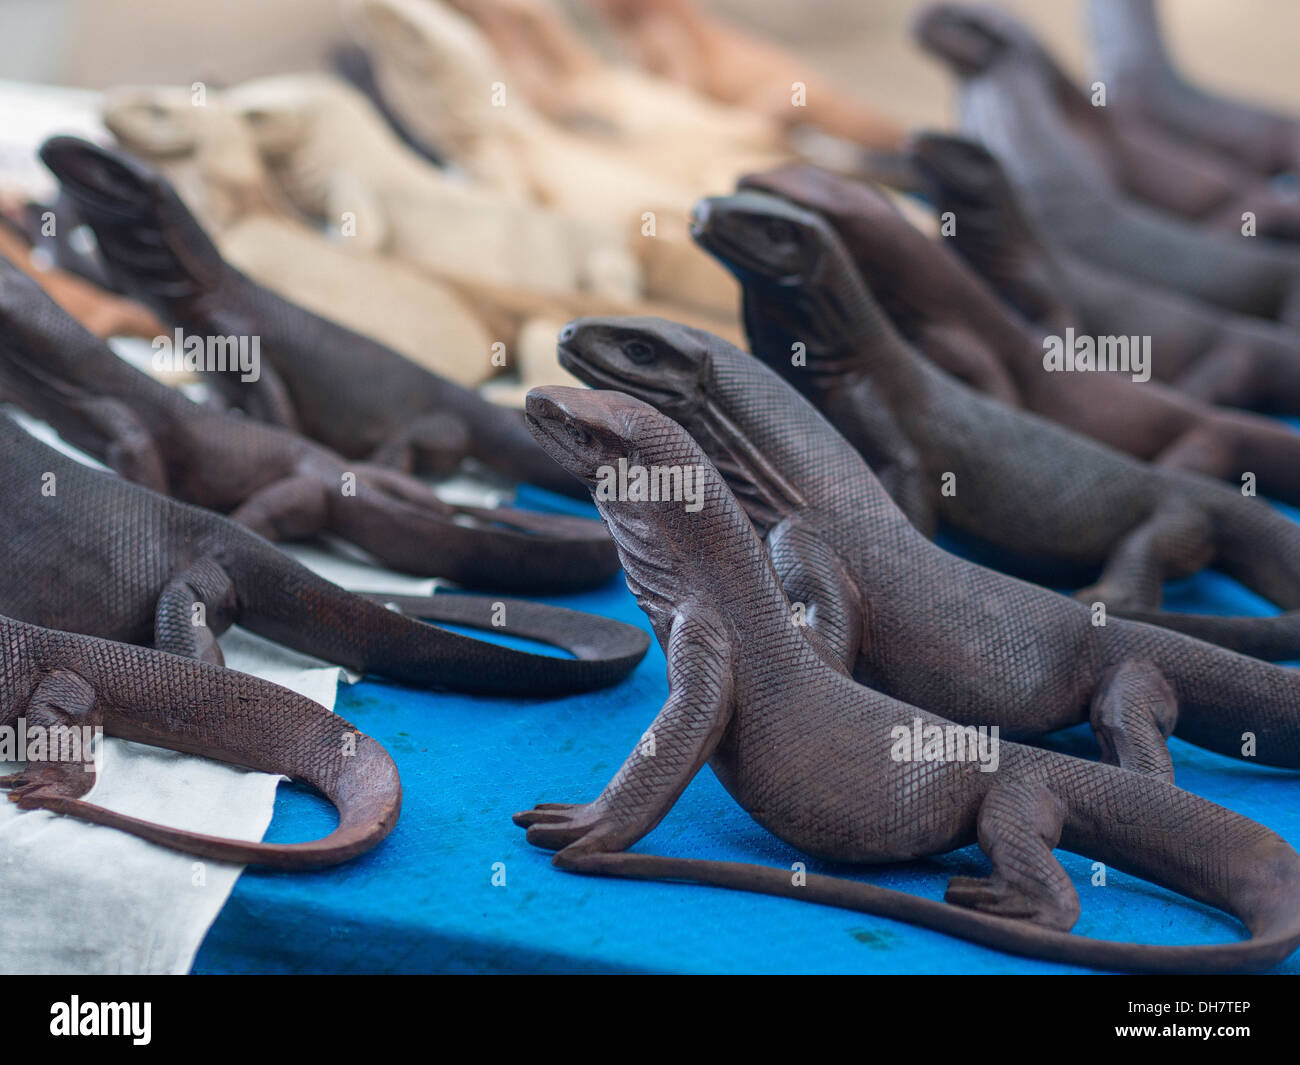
<point x="289" y="604"/>
<point x="503" y="549"/>
<point x="196" y="708"/>
<point x="1173" y="838"/>
<point x="366" y="792"/>
<point x="1274" y="639"/>
<point x="1266" y="948"/>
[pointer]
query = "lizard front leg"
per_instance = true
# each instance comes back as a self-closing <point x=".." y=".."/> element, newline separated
<point x="179" y="627"/>
<point x="267" y="399"/>
<point x="128" y="447"/>
<point x="683" y="737"/>
<point x="814" y="577"/>
<point x="294" y="508"/>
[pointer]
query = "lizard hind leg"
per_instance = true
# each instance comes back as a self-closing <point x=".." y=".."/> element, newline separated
<point x="433" y="444"/>
<point x="1019" y="824"/>
<point x="1133" y="714"/>
<point x="61" y="730"/>
<point x="196" y="606"/>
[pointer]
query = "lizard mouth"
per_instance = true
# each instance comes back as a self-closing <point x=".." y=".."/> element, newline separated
<point x="558" y="433"/>
<point x="599" y="376"/>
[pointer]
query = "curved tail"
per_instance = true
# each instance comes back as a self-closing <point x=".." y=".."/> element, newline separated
<point x="1267" y="947"/>
<point x="149" y="696"/>
<point x="502" y="548"/>
<point x="367" y="795"/>
<point x="286" y="602"/>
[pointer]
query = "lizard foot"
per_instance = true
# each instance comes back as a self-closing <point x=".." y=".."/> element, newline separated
<point x="47" y="780"/>
<point x="579" y="828"/>
<point x="992" y="894"/>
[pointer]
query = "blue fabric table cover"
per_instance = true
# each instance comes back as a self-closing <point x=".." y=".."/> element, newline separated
<point x="425" y="900"/>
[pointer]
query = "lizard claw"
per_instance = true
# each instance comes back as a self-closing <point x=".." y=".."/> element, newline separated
<point x="557" y="825"/>
<point x="52" y="780"/>
<point x="994" y="895"/>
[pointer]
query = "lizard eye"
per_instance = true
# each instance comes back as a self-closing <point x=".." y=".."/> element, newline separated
<point x="639" y="351"/>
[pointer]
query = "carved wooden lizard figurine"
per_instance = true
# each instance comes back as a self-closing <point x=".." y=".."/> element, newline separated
<point x="211" y="158"/>
<point x="57" y="681"/>
<point x="953" y="318"/>
<point x="354" y="395"/>
<point x="1145" y="85"/>
<point x="1028" y="495"/>
<point x="279" y="484"/>
<point x="677" y="39"/>
<point x="89" y="552"/>
<point x="1224" y="358"/>
<point x="1006" y="102"/>
<point x="905" y="615"/>
<point x="1141" y="158"/>
<point x="816" y="758"/>
<point x="441" y="76"/>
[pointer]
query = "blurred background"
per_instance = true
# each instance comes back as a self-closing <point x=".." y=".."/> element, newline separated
<point x="1245" y="47"/>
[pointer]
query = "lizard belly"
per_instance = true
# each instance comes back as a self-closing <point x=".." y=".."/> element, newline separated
<point x="825" y="773"/>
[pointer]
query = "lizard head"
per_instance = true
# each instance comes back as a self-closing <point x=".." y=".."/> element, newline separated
<point x="760" y="237"/>
<point x="148" y="237"/>
<point x="664" y="363"/>
<point x="698" y="380"/>
<point x="208" y="148"/>
<point x="803" y="297"/>
<point x="666" y="506"/>
<point x="994" y="234"/>
<point x="971" y="38"/>
<point x="959" y="169"/>
<point x="968" y="37"/>
<point x="153" y="121"/>
<point x="966" y="179"/>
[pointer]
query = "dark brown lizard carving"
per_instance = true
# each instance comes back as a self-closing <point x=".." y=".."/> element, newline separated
<point x="353" y="395"/>
<point x="908" y="617"/>
<point x="278" y="483"/>
<point x="1220" y="357"/>
<point x="1006" y="102"/>
<point x="86" y="551"/>
<point x="1146" y="87"/>
<point x="943" y="309"/>
<point x="816" y="759"/>
<point x="1076" y="511"/>
<point x="60" y="681"/>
